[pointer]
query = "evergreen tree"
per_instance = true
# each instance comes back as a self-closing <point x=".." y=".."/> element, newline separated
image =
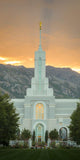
<point x="46" y="136"/>
<point x="33" y="137"/>
<point x="75" y="125"/>
<point x="8" y="120"/>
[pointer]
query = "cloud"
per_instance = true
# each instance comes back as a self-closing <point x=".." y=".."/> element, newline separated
<point x="13" y="62"/>
<point x="19" y="30"/>
<point x="30" y="59"/>
<point x="10" y="60"/>
<point x="2" y="58"/>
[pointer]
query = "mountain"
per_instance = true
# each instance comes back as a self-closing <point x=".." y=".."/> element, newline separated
<point x="15" y="79"/>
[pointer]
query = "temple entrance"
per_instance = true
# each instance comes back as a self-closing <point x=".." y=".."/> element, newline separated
<point x="39" y="138"/>
<point x="39" y="133"/>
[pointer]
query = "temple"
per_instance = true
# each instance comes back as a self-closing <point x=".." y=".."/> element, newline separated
<point x="39" y="110"/>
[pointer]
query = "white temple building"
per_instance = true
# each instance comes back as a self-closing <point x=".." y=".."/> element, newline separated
<point x="39" y="110"/>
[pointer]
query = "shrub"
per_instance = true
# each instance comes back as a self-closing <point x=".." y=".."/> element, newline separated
<point x="52" y="144"/>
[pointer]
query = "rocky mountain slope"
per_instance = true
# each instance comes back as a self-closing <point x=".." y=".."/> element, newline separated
<point x="15" y="79"/>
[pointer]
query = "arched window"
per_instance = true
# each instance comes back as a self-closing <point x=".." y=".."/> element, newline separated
<point x="63" y="133"/>
<point x="39" y="111"/>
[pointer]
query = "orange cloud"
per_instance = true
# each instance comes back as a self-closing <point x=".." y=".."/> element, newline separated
<point x="13" y="62"/>
<point x="2" y="58"/>
<point x="30" y="59"/>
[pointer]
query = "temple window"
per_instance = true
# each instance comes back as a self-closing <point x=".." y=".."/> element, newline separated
<point x="39" y="111"/>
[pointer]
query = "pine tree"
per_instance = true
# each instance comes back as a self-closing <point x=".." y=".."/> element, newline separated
<point x="8" y="120"/>
<point x="75" y="125"/>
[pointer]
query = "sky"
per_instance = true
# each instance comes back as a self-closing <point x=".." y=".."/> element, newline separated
<point x="19" y="32"/>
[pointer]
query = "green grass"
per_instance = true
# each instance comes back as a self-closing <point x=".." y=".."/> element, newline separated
<point x="54" y="154"/>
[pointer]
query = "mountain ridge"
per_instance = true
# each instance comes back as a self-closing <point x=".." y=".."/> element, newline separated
<point x="14" y="80"/>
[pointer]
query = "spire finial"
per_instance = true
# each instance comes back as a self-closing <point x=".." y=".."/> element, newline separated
<point x="40" y="25"/>
<point x="40" y="36"/>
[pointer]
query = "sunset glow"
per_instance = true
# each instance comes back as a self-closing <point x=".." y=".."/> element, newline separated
<point x="76" y="69"/>
<point x="19" y="32"/>
<point x="13" y="62"/>
<point x="2" y="59"/>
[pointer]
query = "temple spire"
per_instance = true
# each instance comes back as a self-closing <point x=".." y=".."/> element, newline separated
<point x="40" y="48"/>
<point x="40" y="25"/>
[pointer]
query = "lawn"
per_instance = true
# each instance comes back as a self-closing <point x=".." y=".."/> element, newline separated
<point x="54" y="154"/>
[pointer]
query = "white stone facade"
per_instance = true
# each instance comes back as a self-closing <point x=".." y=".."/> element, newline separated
<point x="54" y="113"/>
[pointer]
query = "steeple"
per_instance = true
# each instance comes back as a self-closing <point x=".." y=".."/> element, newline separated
<point x="40" y="47"/>
<point x="39" y="83"/>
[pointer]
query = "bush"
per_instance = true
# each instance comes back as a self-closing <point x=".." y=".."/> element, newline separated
<point x="52" y="144"/>
<point x="42" y="144"/>
<point x="25" y="145"/>
<point x="33" y="143"/>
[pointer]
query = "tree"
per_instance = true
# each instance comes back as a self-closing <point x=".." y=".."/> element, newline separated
<point x="26" y="134"/>
<point x="53" y="134"/>
<point x="8" y="120"/>
<point x="33" y="137"/>
<point x="75" y="125"/>
<point x="46" y="136"/>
